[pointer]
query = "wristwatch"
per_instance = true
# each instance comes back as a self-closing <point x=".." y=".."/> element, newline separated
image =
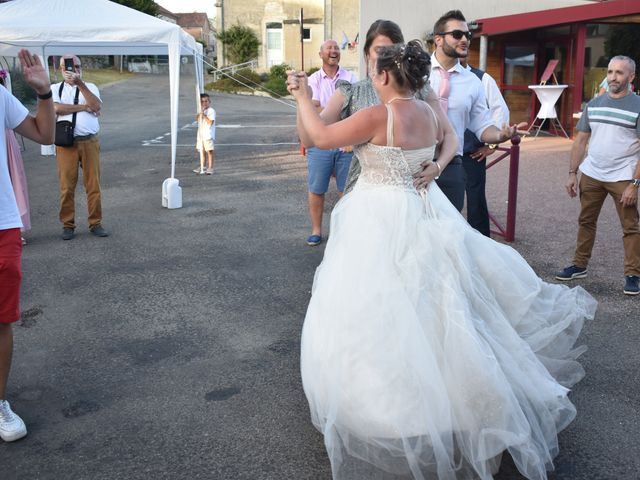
<point x="636" y="182"/>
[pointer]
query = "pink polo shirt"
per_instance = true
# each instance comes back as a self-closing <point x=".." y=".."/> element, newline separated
<point x="323" y="86"/>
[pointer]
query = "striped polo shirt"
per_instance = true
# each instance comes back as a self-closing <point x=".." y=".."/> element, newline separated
<point x="614" y="146"/>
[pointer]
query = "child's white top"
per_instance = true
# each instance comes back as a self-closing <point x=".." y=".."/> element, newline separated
<point x="206" y="132"/>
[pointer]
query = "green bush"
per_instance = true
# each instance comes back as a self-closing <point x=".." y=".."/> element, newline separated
<point x="279" y="71"/>
<point x="20" y="88"/>
<point x="247" y="74"/>
<point x="232" y="84"/>
<point x="276" y="86"/>
<point x="277" y="82"/>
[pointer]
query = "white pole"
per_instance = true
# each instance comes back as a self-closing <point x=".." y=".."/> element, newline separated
<point x="484" y="44"/>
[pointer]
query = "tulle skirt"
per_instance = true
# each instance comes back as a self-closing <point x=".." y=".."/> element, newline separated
<point x="429" y="349"/>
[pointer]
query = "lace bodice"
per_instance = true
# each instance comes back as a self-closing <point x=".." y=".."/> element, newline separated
<point x="390" y="166"/>
<point x="385" y="165"/>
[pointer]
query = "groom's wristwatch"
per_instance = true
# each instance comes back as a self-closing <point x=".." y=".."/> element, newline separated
<point x="636" y="182"/>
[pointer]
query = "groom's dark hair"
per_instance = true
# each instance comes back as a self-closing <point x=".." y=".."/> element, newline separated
<point x="441" y="23"/>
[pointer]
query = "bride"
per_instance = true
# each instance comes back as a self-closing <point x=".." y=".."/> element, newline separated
<point x="427" y="348"/>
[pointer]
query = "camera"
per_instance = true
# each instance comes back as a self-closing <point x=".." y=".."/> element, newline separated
<point x="68" y="64"/>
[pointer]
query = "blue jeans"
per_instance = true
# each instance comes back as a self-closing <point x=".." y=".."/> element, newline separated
<point x="322" y="163"/>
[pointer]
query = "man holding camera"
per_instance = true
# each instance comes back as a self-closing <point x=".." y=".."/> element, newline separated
<point x="78" y="102"/>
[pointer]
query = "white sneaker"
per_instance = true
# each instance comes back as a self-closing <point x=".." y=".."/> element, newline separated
<point x="11" y="425"/>
<point x="198" y="171"/>
<point x="209" y="171"/>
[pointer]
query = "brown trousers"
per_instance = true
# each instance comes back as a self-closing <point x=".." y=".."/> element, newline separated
<point x="592" y="195"/>
<point x="85" y="154"/>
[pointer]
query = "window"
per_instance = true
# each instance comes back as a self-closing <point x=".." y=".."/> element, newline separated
<point x="306" y="34"/>
<point x="519" y="65"/>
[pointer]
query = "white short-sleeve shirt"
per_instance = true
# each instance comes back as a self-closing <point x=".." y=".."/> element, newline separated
<point x="86" y="122"/>
<point x="13" y="114"/>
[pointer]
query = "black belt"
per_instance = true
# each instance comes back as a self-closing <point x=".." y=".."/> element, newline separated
<point x="80" y="138"/>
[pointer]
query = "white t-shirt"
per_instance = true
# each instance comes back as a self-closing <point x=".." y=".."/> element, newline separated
<point x="86" y="122"/>
<point x="206" y="132"/>
<point x="614" y="145"/>
<point x="13" y="114"/>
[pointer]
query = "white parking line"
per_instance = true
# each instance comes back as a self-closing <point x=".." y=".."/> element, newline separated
<point x="157" y="142"/>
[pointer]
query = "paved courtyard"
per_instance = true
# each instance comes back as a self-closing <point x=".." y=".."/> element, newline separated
<point x="171" y="349"/>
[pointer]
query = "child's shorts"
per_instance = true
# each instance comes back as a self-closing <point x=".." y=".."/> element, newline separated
<point x="206" y="145"/>
<point x="10" y="275"/>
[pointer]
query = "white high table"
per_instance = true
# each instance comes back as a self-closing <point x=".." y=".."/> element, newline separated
<point x="548" y="95"/>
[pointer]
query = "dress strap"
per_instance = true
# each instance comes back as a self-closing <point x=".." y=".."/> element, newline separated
<point x="389" y="126"/>
<point x="435" y="117"/>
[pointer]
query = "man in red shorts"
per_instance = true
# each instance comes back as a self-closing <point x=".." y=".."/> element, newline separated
<point x="39" y="129"/>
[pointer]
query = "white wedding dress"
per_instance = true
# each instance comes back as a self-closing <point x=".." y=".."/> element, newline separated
<point x="428" y="349"/>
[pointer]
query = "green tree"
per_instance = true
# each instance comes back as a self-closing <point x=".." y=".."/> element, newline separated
<point x="145" y="6"/>
<point x="623" y="40"/>
<point x="241" y="43"/>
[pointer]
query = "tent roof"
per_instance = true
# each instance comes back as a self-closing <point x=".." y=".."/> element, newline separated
<point x="98" y="27"/>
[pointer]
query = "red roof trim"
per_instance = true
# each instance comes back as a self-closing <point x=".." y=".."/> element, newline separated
<point x="556" y="16"/>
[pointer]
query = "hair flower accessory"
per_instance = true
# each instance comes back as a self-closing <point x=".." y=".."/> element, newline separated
<point x="3" y="73"/>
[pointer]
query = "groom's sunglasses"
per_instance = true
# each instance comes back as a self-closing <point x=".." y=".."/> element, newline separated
<point x="458" y="34"/>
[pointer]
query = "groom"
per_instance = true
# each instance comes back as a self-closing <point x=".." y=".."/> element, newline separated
<point x="461" y="97"/>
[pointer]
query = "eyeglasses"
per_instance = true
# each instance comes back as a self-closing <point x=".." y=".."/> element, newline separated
<point x="458" y="34"/>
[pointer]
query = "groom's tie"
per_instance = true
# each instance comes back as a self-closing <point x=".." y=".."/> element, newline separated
<point x="443" y="92"/>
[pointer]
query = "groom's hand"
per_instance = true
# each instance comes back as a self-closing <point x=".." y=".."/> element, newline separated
<point x="422" y="178"/>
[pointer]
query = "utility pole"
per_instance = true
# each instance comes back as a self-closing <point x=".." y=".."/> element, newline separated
<point x="302" y="39"/>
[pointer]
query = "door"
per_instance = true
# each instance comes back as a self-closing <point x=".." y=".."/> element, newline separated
<point x="274" y="44"/>
<point x="519" y="71"/>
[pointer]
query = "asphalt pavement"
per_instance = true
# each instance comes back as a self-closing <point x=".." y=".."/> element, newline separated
<point x="170" y="349"/>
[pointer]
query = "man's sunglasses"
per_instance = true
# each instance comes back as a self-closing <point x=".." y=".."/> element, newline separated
<point x="457" y="34"/>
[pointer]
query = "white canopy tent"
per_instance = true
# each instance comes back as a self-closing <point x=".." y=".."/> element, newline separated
<point x="99" y="27"/>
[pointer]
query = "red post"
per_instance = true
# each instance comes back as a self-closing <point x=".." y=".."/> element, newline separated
<point x="512" y="194"/>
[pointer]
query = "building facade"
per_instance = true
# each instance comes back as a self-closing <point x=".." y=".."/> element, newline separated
<point x="282" y="40"/>
<point x="515" y="41"/>
<point x="198" y="25"/>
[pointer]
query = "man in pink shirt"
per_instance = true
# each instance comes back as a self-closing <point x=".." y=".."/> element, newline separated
<point x="322" y="163"/>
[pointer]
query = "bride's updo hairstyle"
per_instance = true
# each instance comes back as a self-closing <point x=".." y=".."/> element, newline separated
<point x="409" y="64"/>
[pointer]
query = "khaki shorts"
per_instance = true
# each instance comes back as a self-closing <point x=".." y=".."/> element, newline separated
<point x="207" y="144"/>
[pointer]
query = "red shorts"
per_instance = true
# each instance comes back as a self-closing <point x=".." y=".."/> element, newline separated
<point x="10" y="275"/>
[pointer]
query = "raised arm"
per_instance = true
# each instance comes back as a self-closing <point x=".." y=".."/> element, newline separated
<point x="359" y="128"/>
<point x="40" y="128"/>
<point x="329" y="114"/>
<point x="93" y="103"/>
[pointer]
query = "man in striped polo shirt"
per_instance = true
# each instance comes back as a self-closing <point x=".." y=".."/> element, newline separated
<point x="610" y="126"/>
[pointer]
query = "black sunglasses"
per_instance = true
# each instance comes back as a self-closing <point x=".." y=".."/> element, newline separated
<point x="457" y="34"/>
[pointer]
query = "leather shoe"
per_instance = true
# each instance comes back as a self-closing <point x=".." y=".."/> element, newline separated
<point x="68" y="233"/>
<point x="99" y="231"/>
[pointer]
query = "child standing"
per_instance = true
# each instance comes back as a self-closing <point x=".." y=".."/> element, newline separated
<point x="206" y="134"/>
